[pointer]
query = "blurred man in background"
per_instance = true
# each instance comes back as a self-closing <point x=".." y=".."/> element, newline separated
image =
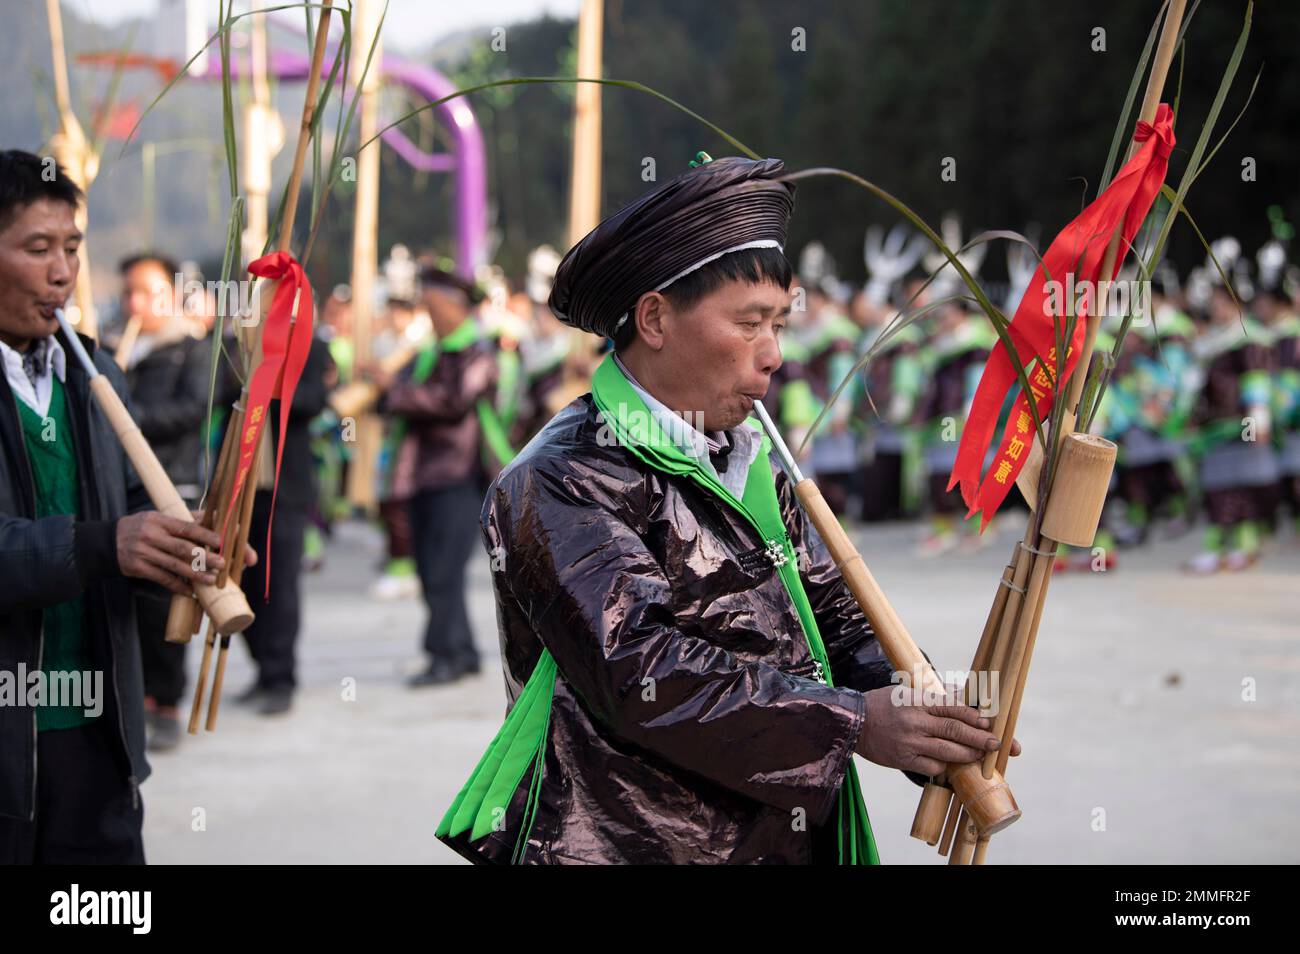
<point x="167" y="374"/>
<point x="440" y="465"/>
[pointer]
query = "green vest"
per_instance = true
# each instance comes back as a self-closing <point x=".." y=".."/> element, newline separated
<point x="54" y="472"/>
<point x="522" y="739"/>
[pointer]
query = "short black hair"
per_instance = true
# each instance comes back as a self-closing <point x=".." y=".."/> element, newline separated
<point x="753" y="266"/>
<point x="166" y="262"/>
<point x="26" y="178"/>
<point x="432" y="276"/>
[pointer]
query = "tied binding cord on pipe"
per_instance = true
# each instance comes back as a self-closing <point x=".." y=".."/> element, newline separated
<point x="1082" y="245"/>
<point x="286" y="342"/>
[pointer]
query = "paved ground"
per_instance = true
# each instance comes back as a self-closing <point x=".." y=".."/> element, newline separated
<point x="1134" y="712"/>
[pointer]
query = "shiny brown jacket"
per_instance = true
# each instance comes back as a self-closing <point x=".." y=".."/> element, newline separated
<point x="441" y="447"/>
<point x="634" y="579"/>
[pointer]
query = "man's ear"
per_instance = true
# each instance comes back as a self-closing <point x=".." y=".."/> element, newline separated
<point x="651" y="310"/>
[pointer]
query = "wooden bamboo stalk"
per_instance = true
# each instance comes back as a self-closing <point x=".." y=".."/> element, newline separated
<point x="1016" y="658"/>
<point x="236" y="575"/>
<point x="1013" y="715"/>
<point x="184" y="616"/>
<point x="79" y="162"/>
<point x="201" y="681"/>
<point x="304" y="127"/>
<point x="365" y="245"/>
<point x="983" y="652"/>
<point x="950" y="826"/>
<point x="963" y="846"/>
<point x="127" y="343"/>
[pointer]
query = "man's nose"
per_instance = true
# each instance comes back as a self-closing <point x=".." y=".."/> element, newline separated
<point x="769" y="355"/>
<point x="63" y="268"/>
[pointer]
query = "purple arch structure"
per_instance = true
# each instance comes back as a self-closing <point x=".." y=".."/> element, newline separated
<point x="466" y="160"/>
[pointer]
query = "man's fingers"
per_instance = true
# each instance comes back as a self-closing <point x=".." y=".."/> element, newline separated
<point x="187" y="530"/>
<point x="953" y="730"/>
<point x="1015" y="747"/>
<point x="186" y="541"/>
<point x="963" y="713"/>
<point x="946" y="751"/>
<point x="176" y="567"/>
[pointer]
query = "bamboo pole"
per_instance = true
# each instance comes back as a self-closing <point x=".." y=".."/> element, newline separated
<point x="74" y="153"/>
<point x="365" y="246"/>
<point x="127" y="343"/>
<point x="584" y="177"/>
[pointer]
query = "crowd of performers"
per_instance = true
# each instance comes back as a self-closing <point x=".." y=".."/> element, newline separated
<point x="1204" y="403"/>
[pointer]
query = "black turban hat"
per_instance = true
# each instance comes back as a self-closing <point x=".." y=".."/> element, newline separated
<point x="723" y="205"/>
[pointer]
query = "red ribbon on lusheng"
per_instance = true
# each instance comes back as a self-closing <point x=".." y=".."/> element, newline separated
<point x="1077" y="251"/>
<point x="286" y="342"/>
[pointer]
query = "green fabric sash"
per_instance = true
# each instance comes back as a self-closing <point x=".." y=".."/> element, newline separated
<point x="522" y="739"/>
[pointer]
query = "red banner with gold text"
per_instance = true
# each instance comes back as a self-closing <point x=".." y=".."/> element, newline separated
<point x="1073" y="260"/>
<point x="286" y="342"/>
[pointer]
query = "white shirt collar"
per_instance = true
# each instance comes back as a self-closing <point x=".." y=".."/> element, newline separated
<point x="38" y="398"/>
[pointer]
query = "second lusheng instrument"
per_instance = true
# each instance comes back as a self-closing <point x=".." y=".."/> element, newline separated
<point x="224" y="602"/>
<point x="987" y="799"/>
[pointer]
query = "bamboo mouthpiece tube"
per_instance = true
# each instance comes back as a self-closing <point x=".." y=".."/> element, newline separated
<point x="931" y="813"/>
<point x="1079" y="489"/>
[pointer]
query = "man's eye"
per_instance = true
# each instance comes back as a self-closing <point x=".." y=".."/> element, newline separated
<point x="38" y="249"/>
<point x="752" y="324"/>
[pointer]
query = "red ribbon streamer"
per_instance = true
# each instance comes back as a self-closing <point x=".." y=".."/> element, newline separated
<point x="1076" y="253"/>
<point x="286" y="342"/>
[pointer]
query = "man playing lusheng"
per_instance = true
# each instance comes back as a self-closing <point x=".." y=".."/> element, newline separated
<point x="689" y="676"/>
<point x="74" y="526"/>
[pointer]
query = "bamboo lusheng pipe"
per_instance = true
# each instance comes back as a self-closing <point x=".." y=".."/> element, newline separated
<point x="989" y="801"/>
<point x="1033" y="608"/>
<point x="929" y="822"/>
<point x="127" y="343"/>
<point x="201" y="682"/>
<point x="78" y="159"/>
<point x="225" y="604"/>
<point x="357" y="397"/>
<point x="184" y="616"/>
<point x="236" y="535"/>
<point x="236" y="575"/>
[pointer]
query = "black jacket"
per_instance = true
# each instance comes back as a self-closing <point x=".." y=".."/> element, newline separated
<point x="48" y="561"/>
<point x="628" y="576"/>
<point x="169" y="389"/>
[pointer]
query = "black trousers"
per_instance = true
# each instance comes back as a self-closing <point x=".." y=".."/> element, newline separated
<point x="882" y="488"/>
<point x="444" y="527"/>
<point x="87" y="812"/>
<point x="164" y="662"/>
<point x="273" y="637"/>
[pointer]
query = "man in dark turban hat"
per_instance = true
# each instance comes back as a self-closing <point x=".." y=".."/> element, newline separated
<point x="689" y="676"/>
